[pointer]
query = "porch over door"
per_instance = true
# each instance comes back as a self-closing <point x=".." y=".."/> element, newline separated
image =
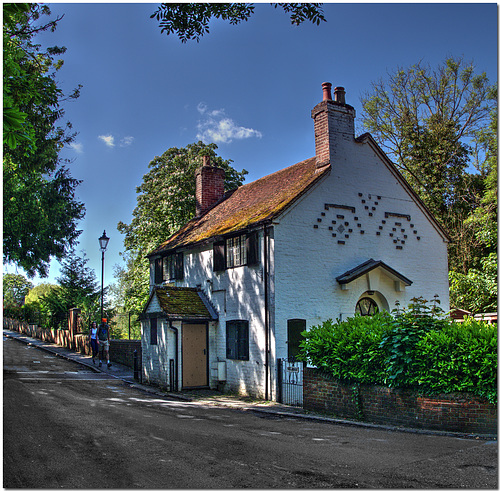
<point x="194" y="355"/>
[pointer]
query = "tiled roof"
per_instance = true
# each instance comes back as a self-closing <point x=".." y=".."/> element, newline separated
<point x="184" y="303"/>
<point x="249" y="205"/>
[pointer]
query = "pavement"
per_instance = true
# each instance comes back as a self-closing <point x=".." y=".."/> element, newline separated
<point x="215" y="398"/>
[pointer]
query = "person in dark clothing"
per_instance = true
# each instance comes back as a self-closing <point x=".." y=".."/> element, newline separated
<point x="103" y="340"/>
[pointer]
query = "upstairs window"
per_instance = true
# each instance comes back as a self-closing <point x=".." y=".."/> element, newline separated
<point x="169" y="268"/>
<point x="236" y="251"/>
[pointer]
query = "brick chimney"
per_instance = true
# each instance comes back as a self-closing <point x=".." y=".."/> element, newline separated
<point x="209" y="186"/>
<point x="333" y="124"/>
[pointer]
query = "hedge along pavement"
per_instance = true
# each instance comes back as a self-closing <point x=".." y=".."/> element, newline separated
<point x="418" y="348"/>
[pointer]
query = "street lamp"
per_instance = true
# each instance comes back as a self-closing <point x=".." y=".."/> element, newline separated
<point x="103" y="243"/>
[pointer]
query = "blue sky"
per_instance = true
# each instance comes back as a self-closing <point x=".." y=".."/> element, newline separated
<point x="249" y="88"/>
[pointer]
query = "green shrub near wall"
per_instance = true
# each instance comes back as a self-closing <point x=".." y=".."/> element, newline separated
<point x="417" y="348"/>
<point x="459" y="358"/>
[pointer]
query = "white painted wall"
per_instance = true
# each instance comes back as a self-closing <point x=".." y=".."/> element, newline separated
<point x="237" y="294"/>
<point x="309" y="258"/>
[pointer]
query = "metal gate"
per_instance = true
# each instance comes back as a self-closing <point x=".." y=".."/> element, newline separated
<point x="290" y="381"/>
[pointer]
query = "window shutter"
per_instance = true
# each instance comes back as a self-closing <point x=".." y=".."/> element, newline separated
<point x="154" y="331"/>
<point x="158" y="270"/>
<point x="231" y="340"/>
<point x="243" y="335"/>
<point x="252" y="246"/>
<point x="179" y="266"/>
<point x="219" y="256"/>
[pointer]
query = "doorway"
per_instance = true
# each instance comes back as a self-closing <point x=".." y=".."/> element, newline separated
<point x="194" y="355"/>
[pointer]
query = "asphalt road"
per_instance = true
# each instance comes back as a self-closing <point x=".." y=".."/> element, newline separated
<point x="68" y="427"/>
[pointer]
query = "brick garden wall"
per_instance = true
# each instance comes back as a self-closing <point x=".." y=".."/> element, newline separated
<point x="120" y="351"/>
<point x="376" y="404"/>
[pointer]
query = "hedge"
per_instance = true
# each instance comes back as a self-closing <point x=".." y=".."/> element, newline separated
<point x="416" y="348"/>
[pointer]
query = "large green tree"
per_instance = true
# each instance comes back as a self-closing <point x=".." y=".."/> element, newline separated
<point x="165" y="202"/>
<point x="40" y="209"/>
<point x="77" y="288"/>
<point x="191" y="20"/>
<point x="427" y="120"/>
<point x="424" y="119"/>
<point x="15" y="289"/>
<point x="475" y="288"/>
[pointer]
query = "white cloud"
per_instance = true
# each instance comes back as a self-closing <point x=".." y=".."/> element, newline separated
<point x="217" y="128"/>
<point x="125" y="142"/>
<point x="77" y="147"/>
<point x="109" y="140"/>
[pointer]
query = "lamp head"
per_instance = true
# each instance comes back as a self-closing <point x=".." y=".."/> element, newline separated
<point x="103" y="241"/>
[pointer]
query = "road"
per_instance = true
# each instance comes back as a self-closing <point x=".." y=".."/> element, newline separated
<point x="66" y="426"/>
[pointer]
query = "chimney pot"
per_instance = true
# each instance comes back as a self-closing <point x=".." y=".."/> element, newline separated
<point x="340" y="95"/>
<point x="327" y="91"/>
<point x="206" y="160"/>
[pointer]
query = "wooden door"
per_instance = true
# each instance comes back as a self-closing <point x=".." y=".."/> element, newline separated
<point x="194" y="355"/>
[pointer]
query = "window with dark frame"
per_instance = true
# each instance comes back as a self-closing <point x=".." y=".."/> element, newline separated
<point x="237" y="340"/>
<point x="169" y="268"/>
<point x="366" y="306"/>
<point x="153" y="324"/>
<point x="240" y="250"/>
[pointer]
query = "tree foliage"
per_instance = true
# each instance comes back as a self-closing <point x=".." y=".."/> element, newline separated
<point x="77" y="288"/>
<point x="15" y="289"/>
<point x="40" y="209"/>
<point x="475" y="288"/>
<point x="165" y="202"/>
<point x="434" y="124"/>
<point x="191" y="20"/>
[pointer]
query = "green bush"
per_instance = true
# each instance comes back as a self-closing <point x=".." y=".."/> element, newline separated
<point x="349" y="350"/>
<point x="459" y="358"/>
<point x="417" y="348"/>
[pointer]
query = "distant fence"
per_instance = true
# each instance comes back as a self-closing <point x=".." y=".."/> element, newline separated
<point x="120" y="351"/>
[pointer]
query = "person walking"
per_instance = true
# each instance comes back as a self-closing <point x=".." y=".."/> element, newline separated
<point x="93" y="341"/>
<point x="103" y="340"/>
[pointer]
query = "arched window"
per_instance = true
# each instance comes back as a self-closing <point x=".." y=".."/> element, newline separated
<point x="366" y="306"/>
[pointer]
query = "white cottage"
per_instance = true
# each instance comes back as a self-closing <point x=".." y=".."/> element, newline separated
<point x="339" y="233"/>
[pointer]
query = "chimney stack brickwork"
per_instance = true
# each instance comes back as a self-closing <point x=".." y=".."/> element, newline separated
<point x="333" y="125"/>
<point x="209" y="186"/>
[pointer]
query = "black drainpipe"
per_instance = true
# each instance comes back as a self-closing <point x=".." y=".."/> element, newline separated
<point x="266" y="306"/>
<point x="176" y="332"/>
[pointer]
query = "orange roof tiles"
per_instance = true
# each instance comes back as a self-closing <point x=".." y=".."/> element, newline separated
<point x="249" y="205"/>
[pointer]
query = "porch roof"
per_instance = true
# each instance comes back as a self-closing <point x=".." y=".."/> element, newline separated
<point x="183" y="303"/>
<point x="368" y="266"/>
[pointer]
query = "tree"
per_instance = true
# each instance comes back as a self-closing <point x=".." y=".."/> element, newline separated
<point x="476" y="288"/>
<point x="38" y="189"/>
<point x="77" y="288"/>
<point x="434" y="124"/>
<point x="15" y="289"/>
<point x="191" y="20"/>
<point x="423" y="119"/>
<point x="166" y="202"/>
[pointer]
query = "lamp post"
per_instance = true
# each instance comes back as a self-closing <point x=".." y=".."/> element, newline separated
<point x="103" y="243"/>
